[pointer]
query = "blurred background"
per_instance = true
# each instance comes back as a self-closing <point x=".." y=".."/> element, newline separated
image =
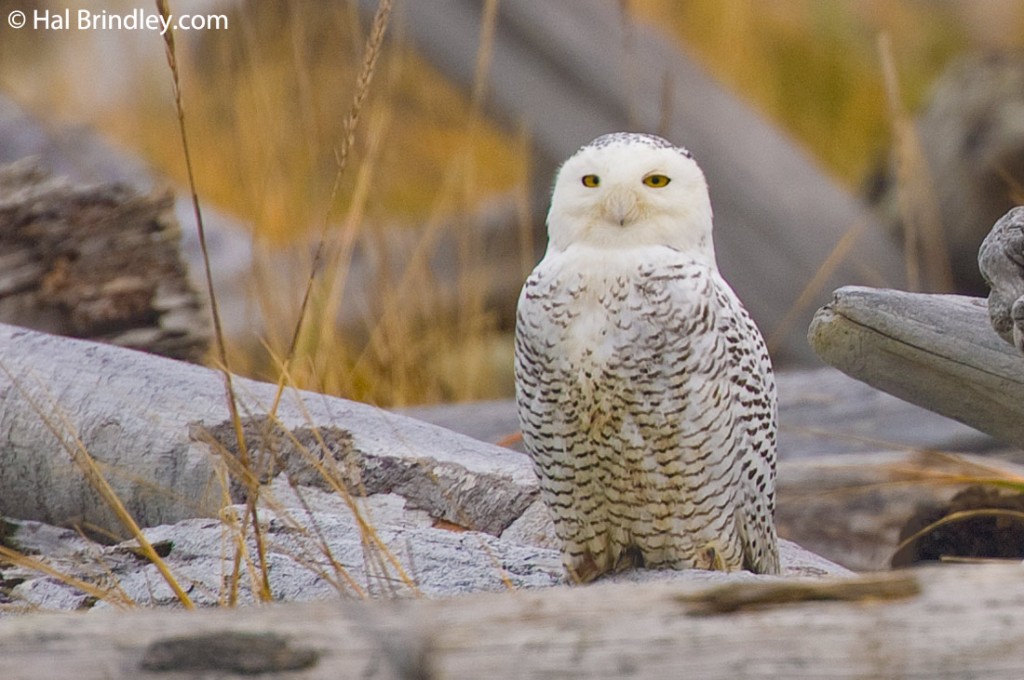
<point x="836" y="136"/>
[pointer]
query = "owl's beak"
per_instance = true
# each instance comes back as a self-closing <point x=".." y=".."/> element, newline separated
<point x="621" y="205"/>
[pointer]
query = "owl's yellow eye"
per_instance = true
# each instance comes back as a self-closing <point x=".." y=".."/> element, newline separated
<point x="656" y="181"/>
<point x="591" y="181"/>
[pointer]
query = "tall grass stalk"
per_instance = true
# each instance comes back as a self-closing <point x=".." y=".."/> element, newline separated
<point x="371" y="53"/>
<point x="222" y="356"/>
<point x="926" y="255"/>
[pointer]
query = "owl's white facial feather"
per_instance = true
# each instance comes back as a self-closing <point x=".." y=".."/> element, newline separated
<point x="622" y="211"/>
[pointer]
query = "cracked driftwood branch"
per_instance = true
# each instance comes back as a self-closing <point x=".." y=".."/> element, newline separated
<point x="1001" y="262"/>
<point x="937" y="351"/>
<point x="911" y="624"/>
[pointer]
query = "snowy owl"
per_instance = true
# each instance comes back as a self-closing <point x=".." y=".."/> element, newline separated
<point x="645" y="391"/>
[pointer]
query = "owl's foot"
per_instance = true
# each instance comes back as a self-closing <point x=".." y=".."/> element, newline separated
<point x="586" y="567"/>
<point x="711" y="558"/>
<point x="582" y="569"/>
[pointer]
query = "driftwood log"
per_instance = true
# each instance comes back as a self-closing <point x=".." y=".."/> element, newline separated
<point x="160" y="429"/>
<point x="1001" y="263"/>
<point x="457" y="515"/>
<point x="96" y="261"/>
<point x="937" y="351"/>
<point x="950" y="622"/>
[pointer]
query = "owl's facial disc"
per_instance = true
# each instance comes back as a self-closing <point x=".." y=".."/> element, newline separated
<point x="631" y="191"/>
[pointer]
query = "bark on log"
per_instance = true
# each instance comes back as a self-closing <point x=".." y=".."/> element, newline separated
<point x="86" y="158"/>
<point x="937" y="351"/>
<point x="949" y="622"/>
<point x="855" y="508"/>
<point x="96" y="261"/>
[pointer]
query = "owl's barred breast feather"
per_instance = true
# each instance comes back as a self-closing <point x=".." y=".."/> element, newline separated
<point x="647" y="401"/>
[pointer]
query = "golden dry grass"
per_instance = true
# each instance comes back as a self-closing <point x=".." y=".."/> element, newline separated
<point x="813" y="67"/>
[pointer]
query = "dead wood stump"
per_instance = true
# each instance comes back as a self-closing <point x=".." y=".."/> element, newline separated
<point x="100" y="262"/>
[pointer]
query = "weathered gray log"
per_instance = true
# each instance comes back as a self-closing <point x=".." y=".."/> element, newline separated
<point x="950" y="622"/>
<point x="151" y="424"/>
<point x="937" y="351"/>
<point x="148" y="421"/>
<point x="96" y="261"/>
<point x="574" y="70"/>
<point x="159" y="427"/>
<point x="1001" y="262"/>
<point x="320" y="554"/>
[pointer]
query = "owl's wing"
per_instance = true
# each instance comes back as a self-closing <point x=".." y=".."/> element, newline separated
<point x="742" y="371"/>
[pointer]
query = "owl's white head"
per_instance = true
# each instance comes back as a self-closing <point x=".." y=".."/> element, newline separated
<point x="629" y="189"/>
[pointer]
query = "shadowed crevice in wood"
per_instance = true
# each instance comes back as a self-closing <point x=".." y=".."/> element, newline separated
<point x="228" y="651"/>
<point x="446" y="490"/>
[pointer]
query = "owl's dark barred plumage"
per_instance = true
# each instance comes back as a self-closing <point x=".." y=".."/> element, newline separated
<point x="645" y="391"/>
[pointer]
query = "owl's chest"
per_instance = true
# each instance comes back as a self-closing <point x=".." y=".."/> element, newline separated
<point x="608" y="315"/>
<point x="618" y="320"/>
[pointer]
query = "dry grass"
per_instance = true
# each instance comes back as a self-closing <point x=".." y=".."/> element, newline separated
<point x="925" y="253"/>
<point x="311" y="344"/>
<point x="813" y="66"/>
<point x="396" y="350"/>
